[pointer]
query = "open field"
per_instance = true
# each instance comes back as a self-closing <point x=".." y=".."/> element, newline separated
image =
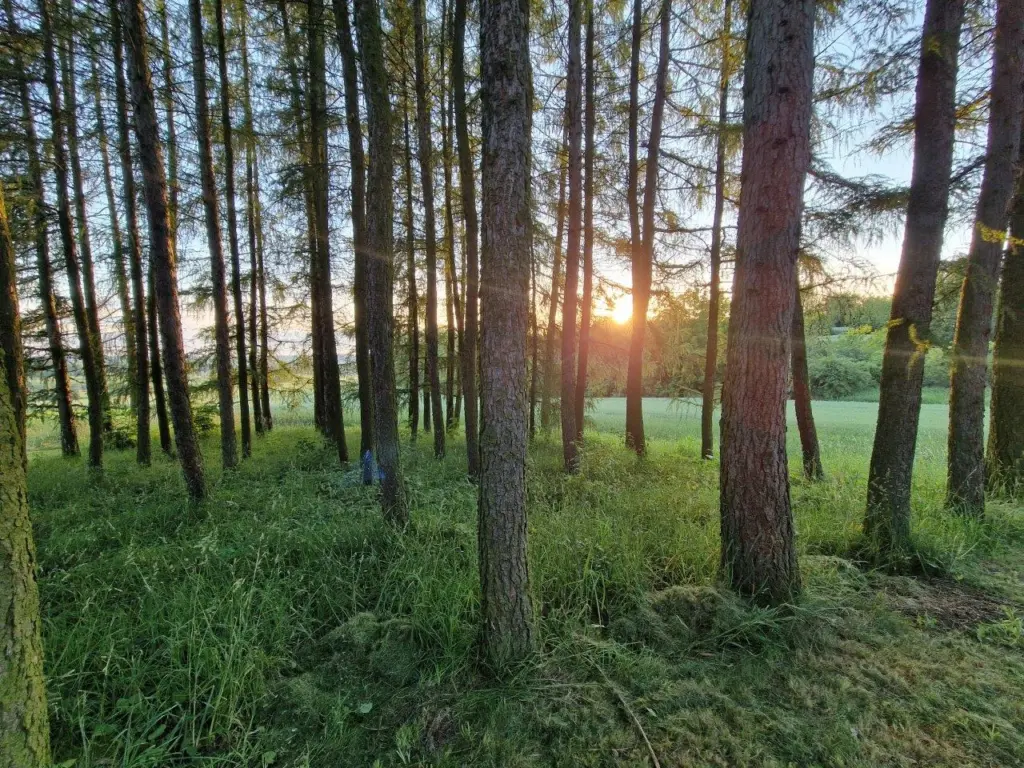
<point x="282" y="623"/>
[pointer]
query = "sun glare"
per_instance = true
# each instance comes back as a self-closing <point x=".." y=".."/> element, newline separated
<point x="622" y="312"/>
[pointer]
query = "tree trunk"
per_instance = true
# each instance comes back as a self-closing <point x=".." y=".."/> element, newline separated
<point x="413" y="298"/>
<point x="802" y="394"/>
<point x="534" y="342"/>
<point x="587" y="301"/>
<point x="1006" y="418"/>
<point x="241" y="360"/>
<point x="574" y="122"/>
<point x="44" y="268"/>
<point x="357" y="162"/>
<point x="634" y="399"/>
<point x="154" y="187"/>
<point x="142" y="448"/>
<point x="333" y="416"/>
<point x="69" y="86"/>
<point x="887" y="521"/>
<point x="225" y="396"/>
<point x="965" y="491"/>
<point x="24" y="736"/>
<point x="66" y="223"/>
<point x="758" y="548"/>
<point x="467" y="186"/>
<point x="117" y="241"/>
<point x="426" y="152"/>
<point x="454" y="295"/>
<point x="155" y="367"/>
<point x="556" y="279"/>
<point x="255" y="237"/>
<point x="380" y="271"/>
<point x="707" y="410"/>
<point x="506" y="94"/>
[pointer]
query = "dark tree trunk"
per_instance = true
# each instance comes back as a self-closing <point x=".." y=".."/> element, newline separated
<point x="587" y="301"/>
<point x="965" y="491"/>
<point x="66" y="223"/>
<point x="225" y="396"/>
<point x="534" y="341"/>
<point x="413" y="301"/>
<point x="255" y="235"/>
<point x="142" y="448"/>
<point x="69" y="86"/>
<point x="358" y="175"/>
<point x="241" y="360"/>
<point x="707" y="411"/>
<point x="574" y="122"/>
<point x="117" y="241"/>
<point x="506" y="95"/>
<point x="425" y="151"/>
<point x="887" y="521"/>
<point x="333" y="417"/>
<point x="634" y="400"/>
<point x="467" y="185"/>
<point x="155" y="367"/>
<point x="154" y="187"/>
<point x="548" y="384"/>
<point x="44" y="268"/>
<point x="380" y="275"/>
<point x="802" y="394"/>
<point x="758" y="547"/>
<point x="1006" y="418"/>
<point x="25" y="737"/>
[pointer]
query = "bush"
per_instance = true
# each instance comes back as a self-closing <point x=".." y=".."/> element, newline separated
<point x="834" y="377"/>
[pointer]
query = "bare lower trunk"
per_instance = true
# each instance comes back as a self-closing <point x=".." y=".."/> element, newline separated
<point x="12" y="359"/>
<point x="587" y="300"/>
<point x="758" y="547"/>
<point x="534" y="343"/>
<point x="412" y="303"/>
<point x="965" y="491"/>
<point x="887" y="522"/>
<point x="154" y="187"/>
<point x="802" y="395"/>
<point x="156" y="368"/>
<point x="548" y="382"/>
<point x="634" y="398"/>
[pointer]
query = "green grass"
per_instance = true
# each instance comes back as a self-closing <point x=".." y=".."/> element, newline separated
<point x="283" y="623"/>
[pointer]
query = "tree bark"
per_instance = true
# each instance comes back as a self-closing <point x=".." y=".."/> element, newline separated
<point x="413" y="297"/>
<point x="634" y="404"/>
<point x="707" y="411"/>
<point x="44" y="267"/>
<point x="802" y="393"/>
<point x="357" y="162"/>
<point x="142" y="447"/>
<point x="506" y="96"/>
<point x="587" y="301"/>
<point x="154" y="187"/>
<point x="887" y="521"/>
<point x="467" y="186"/>
<point x="1006" y="419"/>
<point x="380" y="276"/>
<point x="534" y="342"/>
<point x="965" y="490"/>
<point x="225" y="395"/>
<point x="758" y="547"/>
<point x="556" y="279"/>
<point x="24" y="735"/>
<point x="574" y="122"/>
<point x="66" y="224"/>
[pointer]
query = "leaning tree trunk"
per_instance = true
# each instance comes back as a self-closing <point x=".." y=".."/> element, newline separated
<point x="357" y="163"/>
<point x="467" y="185"/>
<point x="1006" y="418"/>
<point x="241" y="361"/>
<point x="225" y="396"/>
<point x="574" y="121"/>
<point x="380" y="274"/>
<point x="587" y="302"/>
<point x="506" y="93"/>
<point x="44" y="268"/>
<point x="333" y="416"/>
<point x="413" y="301"/>
<point x="425" y="150"/>
<point x="87" y="343"/>
<point x="24" y="728"/>
<point x="70" y="88"/>
<point x="965" y="490"/>
<point x="758" y="547"/>
<point x="802" y="393"/>
<point x="548" y="378"/>
<point x="154" y="187"/>
<point x="142" y="446"/>
<point x="887" y="521"/>
<point x="707" y="410"/>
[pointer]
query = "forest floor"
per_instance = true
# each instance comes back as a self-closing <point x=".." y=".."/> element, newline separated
<point x="282" y="623"/>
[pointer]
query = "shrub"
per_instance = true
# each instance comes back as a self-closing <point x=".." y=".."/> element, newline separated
<point x="834" y="377"/>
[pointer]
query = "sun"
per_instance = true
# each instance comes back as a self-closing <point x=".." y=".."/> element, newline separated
<point x="622" y="312"/>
